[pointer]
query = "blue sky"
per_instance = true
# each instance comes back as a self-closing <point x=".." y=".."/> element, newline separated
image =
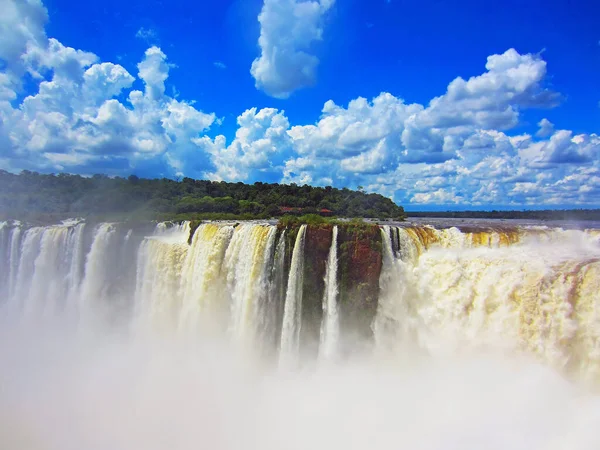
<point x="437" y="104"/>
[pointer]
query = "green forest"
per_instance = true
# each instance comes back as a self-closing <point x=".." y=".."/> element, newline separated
<point x="545" y="214"/>
<point x="42" y="197"/>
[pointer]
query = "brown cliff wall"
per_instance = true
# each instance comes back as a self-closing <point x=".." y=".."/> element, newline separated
<point x="360" y="264"/>
<point x="316" y="250"/>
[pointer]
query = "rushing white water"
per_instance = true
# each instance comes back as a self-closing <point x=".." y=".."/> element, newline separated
<point x="270" y="312"/>
<point x="535" y="290"/>
<point x="247" y="276"/>
<point x="441" y="291"/>
<point x="10" y="241"/>
<point x="203" y="281"/>
<point x="45" y="273"/>
<point x="292" y="313"/>
<point x="330" y="327"/>
<point x="479" y="304"/>
<point x="158" y="289"/>
<point x="395" y="323"/>
<point x="221" y="281"/>
<point x="97" y="286"/>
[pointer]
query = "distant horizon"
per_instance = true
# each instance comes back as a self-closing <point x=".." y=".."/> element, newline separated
<point x="500" y="208"/>
<point x="487" y="105"/>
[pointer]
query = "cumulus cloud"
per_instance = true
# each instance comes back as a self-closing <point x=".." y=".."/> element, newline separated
<point x="492" y="100"/>
<point x="439" y="196"/>
<point x="546" y="128"/>
<point x="259" y="149"/>
<point x="22" y="25"/>
<point x="86" y="116"/>
<point x="105" y="80"/>
<point x="455" y="149"/>
<point x="288" y="31"/>
<point x="154" y="70"/>
<point x="563" y="148"/>
<point x="74" y="121"/>
<point x="362" y="138"/>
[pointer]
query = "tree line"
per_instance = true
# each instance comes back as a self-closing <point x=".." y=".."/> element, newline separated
<point x="31" y="194"/>
<point x="546" y="214"/>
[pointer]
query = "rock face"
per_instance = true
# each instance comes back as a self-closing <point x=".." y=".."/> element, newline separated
<point x="360" y="266"/>
<point x="317" y="244"/>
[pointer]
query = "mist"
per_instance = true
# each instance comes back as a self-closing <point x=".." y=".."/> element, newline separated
<point x="61" y="391"/>
<point x="96" y="357"/>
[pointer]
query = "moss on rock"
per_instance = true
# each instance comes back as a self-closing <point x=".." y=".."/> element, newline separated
<point x="316" y="250"/>
<point x="360" y="262"/>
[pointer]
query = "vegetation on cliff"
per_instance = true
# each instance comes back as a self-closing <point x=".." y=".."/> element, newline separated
<point x="31" y="194"/>
<point x="360" y="263"/>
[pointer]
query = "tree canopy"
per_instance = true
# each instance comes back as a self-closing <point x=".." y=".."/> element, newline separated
<point x="63" y="195"/>
<point x="545" y="214"/>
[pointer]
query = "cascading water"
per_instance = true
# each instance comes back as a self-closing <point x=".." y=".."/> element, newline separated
<point x="203" y="280"/>
<point x="292" y="313"/>
<point x="220" y="280"/>
<point x="445" y="292"/>
<point x="330" y="327"/>
<point x="10" y="242"/>
<point x="246" y="262"/>
<point x="533" y="290"/>
<point x="271" y="312"/>
<point x="98" y="282"/>
<point x="158" y="292"/>
<point x="441" y="290"/>
<point x="48" y="272"/>
<point x="395" y="323"/>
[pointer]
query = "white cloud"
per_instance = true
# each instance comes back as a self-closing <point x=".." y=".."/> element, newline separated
<point x="65" y="62"/>
<point x="451" y="151"/>
<point x="154" y="70"/>
<point x="374" y="138"/>
<point x="148" y="35"/>
<point x="439" y="196"/>
<point x="563" y="148"/>
<point x="546" y="128"/>
<point x="106" y="80"/>
<point x="491" y="100"/>
<point x="260" y="146"/>
<point x="85" y="117"/>
<point x="288" y="30"/>
<point x="219" y="65"/>
<point x="22" y="25"/>
<point x="74" y="121"/>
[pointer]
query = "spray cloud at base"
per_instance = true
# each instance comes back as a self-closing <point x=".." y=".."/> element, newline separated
<point x="134" y="338"/>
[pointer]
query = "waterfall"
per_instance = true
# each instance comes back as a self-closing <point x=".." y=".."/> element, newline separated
<point x="44" y="269"/>
<point x="13" y="259"/>
<point x="509" y="321"/>
<point x="203" y="281"/>
<point x="5" y="238"/>
<point x="532" y="290"/>
<point x="97" y="284"/>
<point x="10" y="242"/>
<point x="220" y="281"/>
<point x="330" y="327"/>
<point x="247" y="260"/>
<point x="108" y="284"/>
<point x="292" y="313"/>
<point x="270" y="313"/>
<point x="158" y="291"/>
<point x="396" y="324"/>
